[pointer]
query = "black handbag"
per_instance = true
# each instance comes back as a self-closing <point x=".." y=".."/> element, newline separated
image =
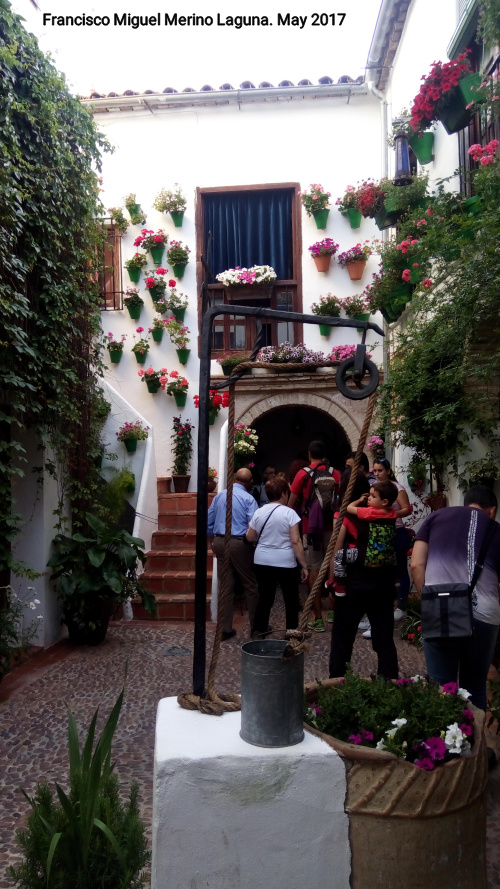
<point x="447" y="607"/>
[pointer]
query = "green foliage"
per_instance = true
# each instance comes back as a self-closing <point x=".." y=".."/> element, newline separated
<point x="489" y="23"/>
<point x="15" y="634"/>
<point x="182" y="446"/>
<point x="116" y="494"/>
<point x="406" y="197"/>
<point x="137" y="215"/>
<point x="118" y="217"/>
<point x="480" y="472"/>
<point x="411" y="625"/>
<point x="86" y="838"/>
<point x="49" y="241"/>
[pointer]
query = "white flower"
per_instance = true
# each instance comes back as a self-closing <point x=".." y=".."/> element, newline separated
<point x="36" y="601"/>
<point x="380" y="745"/>
<point x="391" y="732"/>
<point x="39" y="617"/>
<point x="31" y="605"/>
<point x="30" y="588"/>
<point x="399" y="722"/>
<point x="417" y="677"/>
<point x="454" y="738"/>
<point x="464" y="693"/>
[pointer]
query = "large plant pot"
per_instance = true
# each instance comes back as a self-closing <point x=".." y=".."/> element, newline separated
<point x="181" y="483"/>
<point x="183" y="355"/>
<point x="134" y="312"/>
<point x="356" y="269"/>
<point x="408" y="828"/>
<point x="323" y="261"/>
<point x="99" y="616"/>
<point x="134" y="275"/>
<point x="177" y="217"/>
<point x="179" y="269"/>
<point x="157" y="253"/>
<point x="422" y="145"/>
<point x="115" y="355"/>
<point x="321" y="217"/>
<point x="179" y="315"/>
<point x="354" y="217"/>
<point x="452" y="108"/>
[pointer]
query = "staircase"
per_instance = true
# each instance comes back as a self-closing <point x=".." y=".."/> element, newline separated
<point x="169" y="572"/>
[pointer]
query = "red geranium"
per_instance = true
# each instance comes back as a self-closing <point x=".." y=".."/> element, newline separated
<point x="441" y="79"/>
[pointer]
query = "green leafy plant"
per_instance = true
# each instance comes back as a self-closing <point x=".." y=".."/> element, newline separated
<point x="489" y="23"/>
<point x="480" y="472"/>
<point x="327" y="305"/>
<point x="411" y="625"/>
<point x="315" y="199"/>
<point x="116" y="493"/>
<point x="178" y="253"/>
<point x="119" y="220"/>
<point x="405" y="197"/>
<point x="132" y="297"/>
<point x="182" y="445"/>
<point x="137" y="261"/>
<point x="176" y="300"/>
<point x="178" y="384"/>
<point x="135" y="430"/>
<point x="86" y="837"/>
<point x="17" y="627"/>
<point x="137" y="215"/>
<point x="232" y="359"/>
<point x="177" y="332"/>
<point x="355" y="305"/>
<point x="170" y="200"/>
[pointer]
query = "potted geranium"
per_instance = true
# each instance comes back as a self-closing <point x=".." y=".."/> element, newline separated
<point x="137" y="215"/>
<point x="178" y="257"/>
<point x="328" y="305"/>
<point x="135" y="265"/>
<point x="173" y="202"/>
<point x="119" y="221"/>
<point x="230" y="360"/>
<point x="253" y="283"/>
<point x="156" y="284"/>
<point x="177" y="302"/>
<point x="178" y="334"/>
<point x="371" y="197"/>
<point x="322" y="252"/>
<point x="315" y="202"/>
<point x="131" y="433"/>
<point x="348" y="205"/>
<point x="446" y="94"/>
<point x="285" y="354"/>
<point x="141" y="347"/>
<point x="355" y="259"/>
<point x="376" y="445"/>
<point x="133" y="302"/>
<point x="158" y="328"/>
<point x="115" y="347"/>
<point x="154" y="378"/>
<point x="182" y="449"/>
<point x="245" y="445"/>
<point x="356" y="307"/>
<point x="178" y="387"/>
<point x="217" y="400"/>
<point x="154" y="242"/>
<point x="212" y="479"/>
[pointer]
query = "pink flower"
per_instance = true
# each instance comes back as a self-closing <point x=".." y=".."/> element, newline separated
<point x="426" y="763"/>
<point x="450" y="688"/>
<point x="422" y="222"/>
<point x="406" y="276"/>
<point x="416" y="265"/>
<point x="149" y="371"/>
<point x="355" y="739"/>
<point x="427" y="283"/>
<point x="140" y="373"/>
<point x="429" y="212"/>
<point x="139" y="329"/>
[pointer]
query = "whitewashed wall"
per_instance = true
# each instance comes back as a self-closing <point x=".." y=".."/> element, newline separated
<point x="331" y="141"/>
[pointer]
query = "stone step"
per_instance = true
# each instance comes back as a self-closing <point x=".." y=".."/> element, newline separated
<point x="174" y="539"/>
<point x="179" y="560"/>
<point x="170" y="606"/>
<point x="179" y="582"/>
<point x="177" y="520"/>
<point x="173" y="503"/>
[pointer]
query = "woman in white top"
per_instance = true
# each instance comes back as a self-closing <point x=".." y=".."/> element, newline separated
<point x="275" y="529"/>
<point x="383" y="473"/>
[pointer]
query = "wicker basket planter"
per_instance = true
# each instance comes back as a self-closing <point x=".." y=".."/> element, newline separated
<point x="409" y="828"/>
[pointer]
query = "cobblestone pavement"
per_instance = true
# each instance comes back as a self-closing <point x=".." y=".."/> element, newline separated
<point x="33" y="715"/>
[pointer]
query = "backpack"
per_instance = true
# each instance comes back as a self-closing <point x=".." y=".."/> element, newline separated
<point x="323" y="487"/>
<point x="375" y="543"/>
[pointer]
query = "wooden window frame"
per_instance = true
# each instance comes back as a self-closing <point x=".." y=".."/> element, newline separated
<point x="110" y="277"/>
<point x="215" y="291"/>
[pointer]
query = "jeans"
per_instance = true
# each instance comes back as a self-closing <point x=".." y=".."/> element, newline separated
<point x="465" y="661"/>
<point x="402" y="544"/>
<point x="369" y="591"/>
<point x="268" y="578"/>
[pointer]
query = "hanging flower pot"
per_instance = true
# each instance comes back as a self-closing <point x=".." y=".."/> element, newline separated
<point x="325" y="330"/>
<point x="321" y="217"/>
<point x="157" y="334"/>
<point x="323" y="261"/>
<point x="452" y="108"/>
<point x="140" y="357"/>
<point x="153" y="385"/>
<point x="364" y="316"/>
<point x="156" y="293"/>
<point x="179" y="269"/>
<point x="130" y="445"/>
<point x="134" y="312"/>
<point x="422" y="145"/>
<point x="157" y="253"/>
<point x="354" y="217"/>
<point x="356" y="269"/>
<point x="183" y="355"/>
<point x="212" y="414"/>
<point x="179" y="314"/>
<point x="134" y="275"/>
<point x="115" y="355"/>
<point x="177" y="217"/>
<point x="180" y="398"/>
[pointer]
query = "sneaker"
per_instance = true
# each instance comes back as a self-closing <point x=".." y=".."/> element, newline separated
<point x="399" y="614"/>
<point x="330" y="616"/>
<point x="311" y="624"/>
<point x="318" y="625"/>
<point x="367" y="634"/>
<point x="364" y="624"/>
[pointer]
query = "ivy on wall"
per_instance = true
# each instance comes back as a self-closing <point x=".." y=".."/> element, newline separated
<point x="49" y="301"/>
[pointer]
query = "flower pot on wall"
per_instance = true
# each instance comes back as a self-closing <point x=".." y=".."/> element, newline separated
<point x="236" y="293"/>
<point x="179" y="315"/>
<point x="134" y="275"/>
<point x="321" y="217"/>
<point x="322" y="261"/>
<point x="177" y="217"/>
<point x="422" y="145"/>
<point x="181" y="483"/>
<point x="140" y="357"/>
<point x="130" y="445"/>
<point x="452" y="108"/>
<point x="153" y="385"/>
<point x="364" y="316"/>
<point x="354" y="217"/>
<point x="180" y="398"/>
<point x="156" y="293"/>
<point x="325" y="330"/>
<point x="134" y="312"/>
<point x="179" y="269"/>
<point x="356" y="269"/>
<point x="115" y="355"/>
<point x="183" y="355"/>
<point x="212" y="414"/>
<point x="157" y="334"/>
<point x="157" y="253"/>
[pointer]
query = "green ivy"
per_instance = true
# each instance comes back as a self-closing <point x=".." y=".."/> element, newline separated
<point x="49" y="299"/>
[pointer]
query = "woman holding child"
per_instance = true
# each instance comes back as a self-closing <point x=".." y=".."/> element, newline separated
<point x="364" y="558"/>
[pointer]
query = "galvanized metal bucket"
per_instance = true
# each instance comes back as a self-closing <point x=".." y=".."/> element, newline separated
<point x="272" y="694"/>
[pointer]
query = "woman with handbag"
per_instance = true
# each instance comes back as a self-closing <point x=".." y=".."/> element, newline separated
<point x="274" y="528"/>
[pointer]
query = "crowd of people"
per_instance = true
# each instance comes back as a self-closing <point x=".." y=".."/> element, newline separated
<point x="280" y="531"/>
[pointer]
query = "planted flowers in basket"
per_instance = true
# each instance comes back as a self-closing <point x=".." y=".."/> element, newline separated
<point x="255" y="282"/>
<point x="178" y="387"/>
<point x="173" y="202"/>
<point x="315" y="203"/>
<point x="328" y="306"/>
<point x="133" y="302"/>
<point x="115" y="347"/>
<point x="131" y="433"/>
<point x="153" y="241"/>
<point x="356" y="307"/>
<point x="355" y="260"/>
<point x="286" y="354"/>
<point x="178" y="257"/>
<point x="348" y="205"/>
<point x="141" y="347"/>
<point x="322" y="252"/>
<point x="178" y="334"/>
<point x="154" y="378"/>
<point x="134" y="266"/>
<point x="156" y="284"/>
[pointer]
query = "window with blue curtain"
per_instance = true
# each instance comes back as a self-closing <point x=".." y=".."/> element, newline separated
<point x="247" y="228"/>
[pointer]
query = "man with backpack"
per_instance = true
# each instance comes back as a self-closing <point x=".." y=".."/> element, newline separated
<point x="313" y="488"/>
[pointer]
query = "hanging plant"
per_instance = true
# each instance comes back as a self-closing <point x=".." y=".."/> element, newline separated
<point x="137" y="215"/>
<point x="119" y="221"/>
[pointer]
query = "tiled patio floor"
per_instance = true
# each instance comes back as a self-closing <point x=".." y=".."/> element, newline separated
<point x="33" y="711"/>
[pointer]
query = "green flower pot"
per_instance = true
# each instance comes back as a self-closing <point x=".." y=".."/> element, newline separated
<point x="130" y="444"/>
<point x="227" y="371"/>
<point x="180" y="398"/>
<point x="115" y="355"/>
<point x="134" y="209"/>
<point x="177" y="217"/>
<point x="354" y="217"/>
<point x="325" y="329"/>
<point x="422" y="145"/>
<point x="451" y="109"/>
<point x="179" y="269"/>
<point x="157" y="253"/>
<point x="183" y="355"/>
<point x="140" y="357"/>
<point x="321" y="217"/>
<point x="179" y="315"/>
<point x="364" y="316"/>
<point x="157" y="333"/>
<point x="134" y="312"/>
<point x="387" y="216"/>
<point x="156" y="293"/>
<point x="134" y="275"/>
<point x="212" y="413"/>
<point x="153" y="386"/>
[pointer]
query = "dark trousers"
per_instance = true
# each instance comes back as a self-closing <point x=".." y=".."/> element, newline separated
<point x="370" y="591"/>
<point x="240" y="565"/>
<point x="465" y="661"/>
<point x="268" y="578"/>
<point x="401" y="546"/>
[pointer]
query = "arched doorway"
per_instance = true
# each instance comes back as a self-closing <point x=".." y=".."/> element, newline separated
<point x="285" y="432"/>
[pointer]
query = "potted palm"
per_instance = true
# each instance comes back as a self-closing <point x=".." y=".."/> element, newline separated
<point x="173" y="202"/>
<point x="182" y="449"/>
<point x="322" y="252"/>
<point x="178" y="388"/>
<point x="136" y="213"/>
<point x="355" y="259"/>
<point x="115" y="347"/>
<point x="178" y="257"/>
<point x="134" y="265"/>
<point x="154" y="242"/>
<point x="315" y="203"/>
<point x="328" y="306"/>
<point x="178" y="334"/>
<point x="133" y="302"/>
<point x="141" y="347"/>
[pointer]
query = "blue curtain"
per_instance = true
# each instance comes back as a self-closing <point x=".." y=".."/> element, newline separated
<point x="249" y="228"/>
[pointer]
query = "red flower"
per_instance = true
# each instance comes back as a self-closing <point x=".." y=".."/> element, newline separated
<point x="172" y="283"/>
<point x="406" y="276"/>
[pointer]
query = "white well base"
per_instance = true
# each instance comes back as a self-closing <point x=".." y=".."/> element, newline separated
<point x="227" y="815"/>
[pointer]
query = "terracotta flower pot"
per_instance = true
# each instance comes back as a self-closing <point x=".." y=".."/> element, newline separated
<point x="323" y="261"/>
<point x="181" y="483"/>
<point x="356" y="269"/>
<point x="211" y="485"/>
